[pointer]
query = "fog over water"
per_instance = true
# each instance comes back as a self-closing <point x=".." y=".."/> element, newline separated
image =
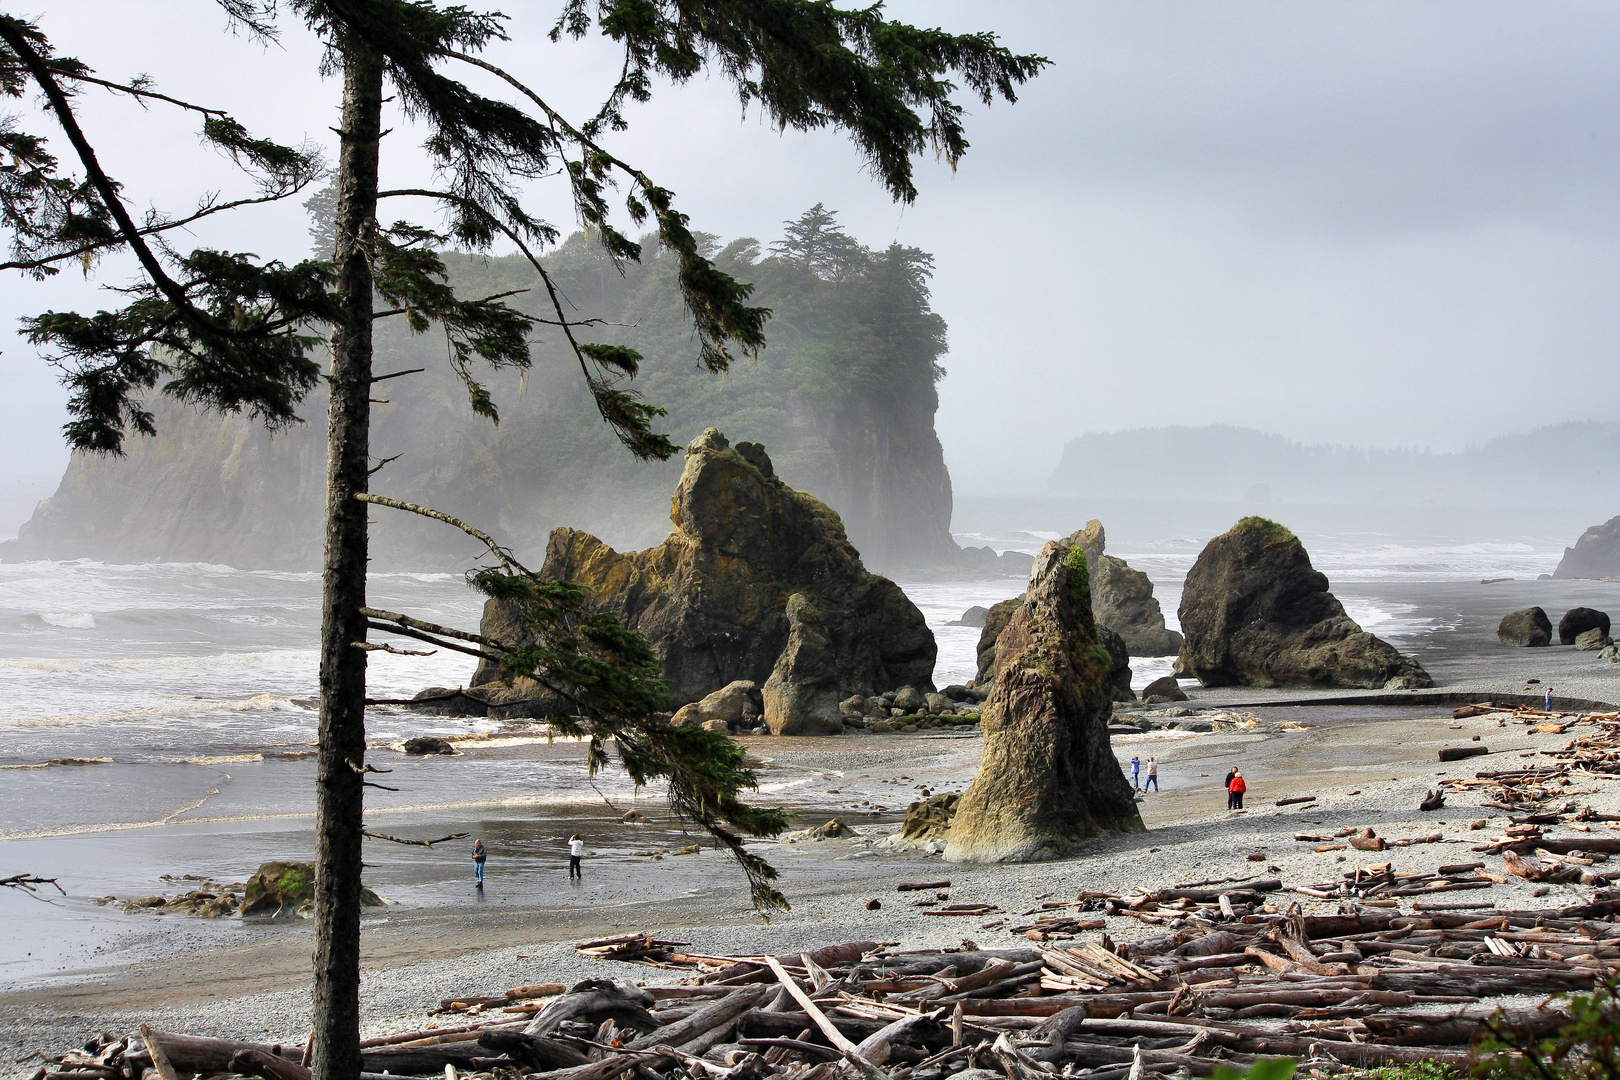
<point x="1388" y="224"/>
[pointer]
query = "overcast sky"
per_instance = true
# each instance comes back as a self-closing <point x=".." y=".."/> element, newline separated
<point x="1388" y="223"/>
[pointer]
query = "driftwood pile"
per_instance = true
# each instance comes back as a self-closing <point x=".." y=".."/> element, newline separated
<point x="1227" y="979"/>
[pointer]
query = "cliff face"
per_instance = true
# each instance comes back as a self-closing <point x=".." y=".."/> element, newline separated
<point x="844" y="395"/>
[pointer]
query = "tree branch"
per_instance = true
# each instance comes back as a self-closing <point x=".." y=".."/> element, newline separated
<point x="383" y="646"/>
<point x="30" y="883"/>
<point x="417" y="843"/>
<point x="151" y="230"/>
<point x="421" y="636"/>
<point x="139" y="92"/>
<point x="43" y="77"/>
<point x="506" y="559"/>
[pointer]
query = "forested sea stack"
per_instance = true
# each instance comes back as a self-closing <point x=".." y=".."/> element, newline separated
<point x="845" y="393"/>
<point x="757" y="582"/>
<point x="1255" y="613"/>
<point x="1049" y="778"/>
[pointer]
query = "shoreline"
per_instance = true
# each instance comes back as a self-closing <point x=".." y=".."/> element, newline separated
<point x="1368" y="766"/>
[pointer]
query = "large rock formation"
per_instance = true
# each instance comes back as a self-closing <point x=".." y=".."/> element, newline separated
<point x="1121" y="601"/>
<point x="1595" y="555"/>
<point x="1122" y="598"/>
<point x="1255" y="613"/>
<point x="1048" y="778"/>
<point x="996" y="620"/>
<point x="757" y="582"/>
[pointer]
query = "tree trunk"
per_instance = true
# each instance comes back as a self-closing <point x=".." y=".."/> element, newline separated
<point x="340" y="787"/>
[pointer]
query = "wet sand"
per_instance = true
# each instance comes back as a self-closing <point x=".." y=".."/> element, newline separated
<point x="1384" y="753"/>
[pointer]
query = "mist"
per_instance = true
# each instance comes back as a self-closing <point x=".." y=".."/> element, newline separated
<point x="1372" y="224"/>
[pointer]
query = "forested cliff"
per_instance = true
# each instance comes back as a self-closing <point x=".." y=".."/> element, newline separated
<point x="843" y="397"/>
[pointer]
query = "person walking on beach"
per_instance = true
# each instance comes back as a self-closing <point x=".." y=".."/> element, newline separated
<point x="479" y="855"/>
<point x="1153" y="774"/>
<point x="1549" y="700"/>
<point x="1136" y="771"/>
<point x="1227" y="784"/>
<point x="1235" y="790"/>
<point x="576" y="852"/>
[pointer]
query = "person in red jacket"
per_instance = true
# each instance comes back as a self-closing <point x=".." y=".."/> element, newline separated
<point x="1235" y="789"/>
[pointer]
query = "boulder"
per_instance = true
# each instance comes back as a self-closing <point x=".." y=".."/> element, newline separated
<point x="288" y="888"/>
<point x="1165" y="689"/>
<point x="830" y="830"/>
<point x="1611" y="653"/>
<point x="428" y="744"/>
<point x="908" y="699"/>
<point x="738" y="704"/>
<point x="1255" y="613"/>
<point x="973" y="616"/>
<point x="1529" y="628"/>
<point x="758" y="583"/>
<point x="931" y="818"/>
<point x="935" y="704"/>
<point x="958" y="692"/>
<point x="1048" y="778"/>
<point x="1592" y="640"/>
<point x="633" y="817"/>
<point x="1595" y="555"/>
<point x="1577" y="621"/>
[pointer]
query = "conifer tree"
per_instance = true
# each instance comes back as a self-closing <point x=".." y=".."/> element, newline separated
<point x="235" y="333"/>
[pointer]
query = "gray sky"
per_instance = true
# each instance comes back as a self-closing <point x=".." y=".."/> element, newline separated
<point x="1389" y="223"/>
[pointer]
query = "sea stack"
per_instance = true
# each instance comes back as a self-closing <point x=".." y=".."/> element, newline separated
<point x="1595" y="555"/>
<point x="1255" y="613"/>
<point x="1049" y="778"/>
<point x="757" y="582"/>
<point x="1122" y="597"/>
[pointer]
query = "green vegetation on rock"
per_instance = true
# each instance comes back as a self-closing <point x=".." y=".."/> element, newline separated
<point x="844" y="395"/>
<point x="1269" y="532"/>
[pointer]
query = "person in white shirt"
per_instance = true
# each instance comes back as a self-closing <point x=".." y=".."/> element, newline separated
<point x="576" y="851"/>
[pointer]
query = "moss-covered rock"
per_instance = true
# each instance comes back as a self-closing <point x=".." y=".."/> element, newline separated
<point x="288" y="888"/>
<point x="1048" y="778"/>
<point x="757" y="582"/>
<point x="1256" y="613"/>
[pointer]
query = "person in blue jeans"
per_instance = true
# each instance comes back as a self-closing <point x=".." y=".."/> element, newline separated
<point x="1153" y="775"/>
<point x="1136" y="771"/>
<point x="479" y="855"/>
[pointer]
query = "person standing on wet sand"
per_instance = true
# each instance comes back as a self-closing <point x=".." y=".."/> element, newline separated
<point x="1235" y="790"/>
<point x="576" y="852"/>
<point x="1136" y="771"/>
<point x="1549" y="700"/>
<point x="1227" y="784"/>
<point x="479" y="855"/>
<point x="1153" y="774"/>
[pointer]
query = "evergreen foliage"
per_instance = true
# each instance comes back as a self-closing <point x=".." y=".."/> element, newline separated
<point x="1587" y="1048"/>
<point x="232" y="332"/>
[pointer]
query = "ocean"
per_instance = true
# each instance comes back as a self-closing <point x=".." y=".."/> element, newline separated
<point x="150" y="722"/>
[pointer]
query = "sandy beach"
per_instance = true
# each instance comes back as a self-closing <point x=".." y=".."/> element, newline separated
<point x="1368" y="758"/>
<point x="1368" y="766"/>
